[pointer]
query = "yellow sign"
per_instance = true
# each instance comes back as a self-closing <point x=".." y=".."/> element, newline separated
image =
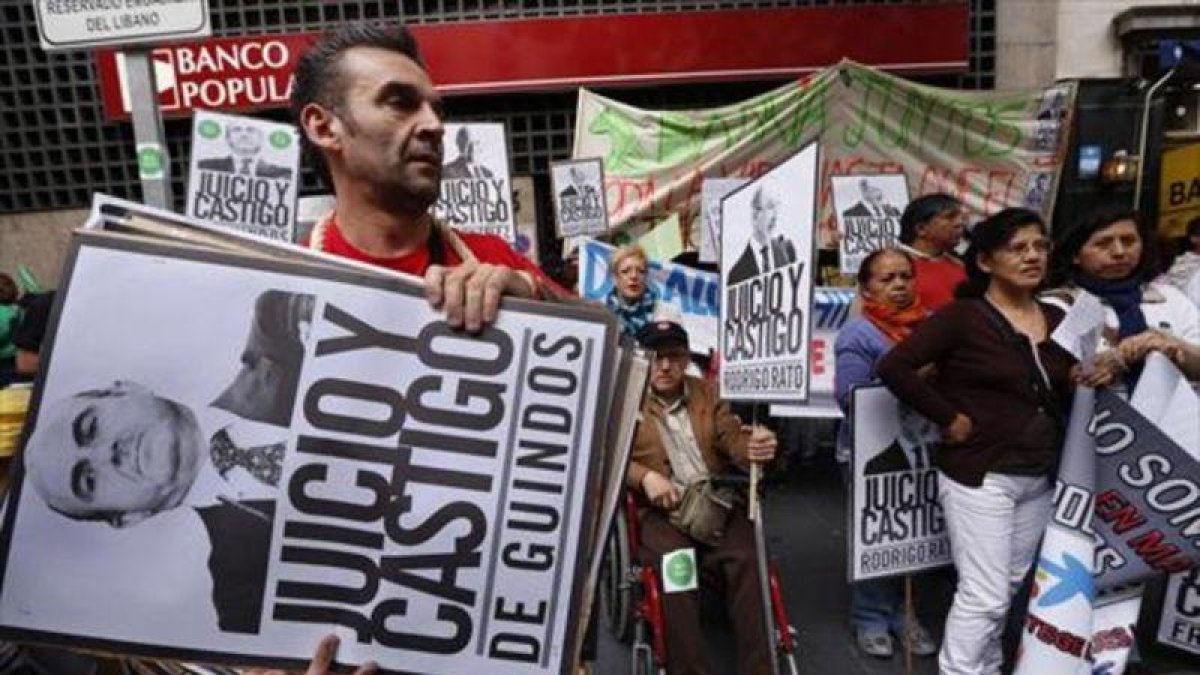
<point x="1179" y="192"/>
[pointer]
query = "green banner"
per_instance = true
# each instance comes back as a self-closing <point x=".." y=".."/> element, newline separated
<point x="990" y="149"/>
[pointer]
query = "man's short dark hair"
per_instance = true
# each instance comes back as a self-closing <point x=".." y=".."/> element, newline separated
<point x="318" y="78"/>
<point x="922" y="210"/>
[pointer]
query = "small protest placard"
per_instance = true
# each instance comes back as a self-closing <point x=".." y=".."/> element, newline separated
<point x="578" y="187"/>
<point x="1179" y="624"/>
<point x="867" y="209"/>
<point x="476" y="193"/>
<point x="767" y="256"/>
<point x="896" y="523"/>
<point x="244" y="174"/>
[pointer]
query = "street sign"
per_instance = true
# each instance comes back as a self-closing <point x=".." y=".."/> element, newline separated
<point x="82" y="24"/>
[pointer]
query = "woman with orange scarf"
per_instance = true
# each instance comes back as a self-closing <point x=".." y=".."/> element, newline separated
<point x="891" y="309"/>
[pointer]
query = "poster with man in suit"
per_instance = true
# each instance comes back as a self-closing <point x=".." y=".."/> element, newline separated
<point x="867" y="209"/>
<point x="896" y="524"/>
<point x="767" y="257"/>
<point x="230" y="456"/>
<point x="244" y="174"/>
<point x="579" y="204"/>
<point x="477" y="192"/>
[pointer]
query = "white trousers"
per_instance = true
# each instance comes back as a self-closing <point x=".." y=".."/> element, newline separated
<point x="994" y="532"/>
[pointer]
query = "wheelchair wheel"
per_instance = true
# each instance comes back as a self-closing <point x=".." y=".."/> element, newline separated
<point x="616" y="592"/>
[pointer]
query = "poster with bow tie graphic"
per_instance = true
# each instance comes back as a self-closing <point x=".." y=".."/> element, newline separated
<point x="244" y="174"/>
<point x="230" y="456"/>
<point x="896" y="524"/>
<point x="767" y="259"/>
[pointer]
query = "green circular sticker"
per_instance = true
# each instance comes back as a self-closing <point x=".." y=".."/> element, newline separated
<point x="281" y="139"/>
<point x="680" y="570"/>
<point x="210" y="129"/>
<point x="150" y="161"/>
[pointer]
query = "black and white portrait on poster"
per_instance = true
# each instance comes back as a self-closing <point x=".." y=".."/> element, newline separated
<point x="244" y="174"/>
<point x="476" y="191"/>
<point x="867" y="210"/>
<point x="766" y="271"/>
<point x="1179" y="623"/>
<point x="896" y="524"/>
<point x="578" y="188"/>
<point x="230" y="457"/>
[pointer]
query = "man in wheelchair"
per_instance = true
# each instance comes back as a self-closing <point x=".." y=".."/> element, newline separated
<point x="686" y="436"/>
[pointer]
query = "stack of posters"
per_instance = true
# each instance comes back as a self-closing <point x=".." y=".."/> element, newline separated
<point x="237" y="447"/>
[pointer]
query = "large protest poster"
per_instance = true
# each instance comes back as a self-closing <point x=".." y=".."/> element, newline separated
<point x="476" y="193"/>
<point x="983" y="147"/>
<point x="261" y="452"/>
<point x="578" y="189"/>
<point x="711" y="194"/>
<point x="1125" y="511"/>
<point x="244" y="174"/>
<point x="693" y="293"/>
<point x="867" y="210"/>
<point x="1179" y="623"/>
<point x="767" y="260"/>
<point x="896" y="523"/>
<point x="831" y="310"/>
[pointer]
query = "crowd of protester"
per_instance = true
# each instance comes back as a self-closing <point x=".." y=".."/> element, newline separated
<point x="963" y="340"/>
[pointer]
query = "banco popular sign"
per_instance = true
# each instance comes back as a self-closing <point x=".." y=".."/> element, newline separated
<point x="233" y="74"/>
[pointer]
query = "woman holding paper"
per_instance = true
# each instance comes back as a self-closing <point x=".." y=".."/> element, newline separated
<point x="631" y="298"/>
<point x="891" y="309"/>
<point x="998" y="394"/>
<point x="1111" y="255"/>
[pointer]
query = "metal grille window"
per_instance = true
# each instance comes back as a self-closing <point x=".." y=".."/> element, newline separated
<point x="58" y="148"/>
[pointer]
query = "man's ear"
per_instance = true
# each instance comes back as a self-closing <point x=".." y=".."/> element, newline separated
<point x="127" y="518"/>
<point x="322" y="128"/>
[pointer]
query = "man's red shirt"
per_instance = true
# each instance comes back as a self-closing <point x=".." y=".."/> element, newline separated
<point x="487" y="248"/>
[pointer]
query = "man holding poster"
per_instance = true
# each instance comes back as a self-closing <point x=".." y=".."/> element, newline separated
<point x="372" y="121"/>
<point x="766" y="263"/>
<point x="686" y="436"/>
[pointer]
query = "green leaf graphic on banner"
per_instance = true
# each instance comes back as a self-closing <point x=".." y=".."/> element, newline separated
<point x="281" y="139"/>
<point x="209" y="129"/>
<point x="625" y="153"/>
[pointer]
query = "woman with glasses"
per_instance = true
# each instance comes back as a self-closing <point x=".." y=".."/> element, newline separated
<point x="890" y="312"/>
<point x="1110" y="254"/>
<point x="998" y="393"/>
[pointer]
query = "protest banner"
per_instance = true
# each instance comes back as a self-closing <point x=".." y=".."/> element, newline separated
<point x="1179" y="623"/>
<point x="244" y="174"/>
<point x="332" y="457"/>
<point x="711" y="193"/>
<point x="767" y="260"/>
<point x="896" y="523"/>
<point x="867" y="210"/>
<point x="578" y="188"/>
<point x="691" y="292"/>
<point x="980" y="146"/>
<point x="1126" y="509"/>
<point x="831" y="310"/>
<point x="476" y="191"/>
